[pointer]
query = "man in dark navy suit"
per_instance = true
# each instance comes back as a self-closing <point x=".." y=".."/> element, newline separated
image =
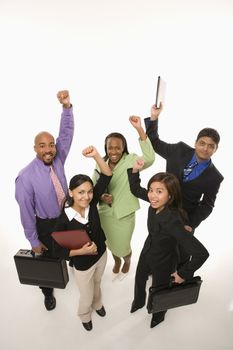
<point x="199" y="178"/>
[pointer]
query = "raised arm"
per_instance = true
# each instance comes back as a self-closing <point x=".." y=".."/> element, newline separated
<point x="105" y="173"/>
<point x="147" y="150"/>
<point x="66" y="130"/>
<point x="91" y="152"/>
<point x="136" y="122"/>
<point x="162" y="148"/>
<point x="134" y="180"/>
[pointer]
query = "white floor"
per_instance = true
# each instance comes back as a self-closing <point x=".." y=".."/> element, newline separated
<point x="206" y="325"/>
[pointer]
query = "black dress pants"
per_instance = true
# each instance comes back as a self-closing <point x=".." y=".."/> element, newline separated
<point x="44" y="229"/>
<point x="160" y="276"/>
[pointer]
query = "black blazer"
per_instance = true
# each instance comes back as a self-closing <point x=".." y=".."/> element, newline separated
<point x="199" y="195"/>
<point x="166" y="230"/>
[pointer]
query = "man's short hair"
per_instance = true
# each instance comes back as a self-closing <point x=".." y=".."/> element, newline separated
<point x="209" y="132"/>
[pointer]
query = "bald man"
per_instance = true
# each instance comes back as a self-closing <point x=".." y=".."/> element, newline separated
<point x="36" y="193"/>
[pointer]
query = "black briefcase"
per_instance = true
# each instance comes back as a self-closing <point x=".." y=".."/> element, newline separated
<point x="175" y="295"/>
<point x="41" y="270"/>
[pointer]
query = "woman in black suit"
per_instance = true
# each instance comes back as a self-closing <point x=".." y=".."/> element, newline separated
<point x="166" y="230"/>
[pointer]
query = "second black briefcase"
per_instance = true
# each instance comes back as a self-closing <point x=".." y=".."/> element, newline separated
<point x="176" y="295"/>
<point x="41" y="270"/>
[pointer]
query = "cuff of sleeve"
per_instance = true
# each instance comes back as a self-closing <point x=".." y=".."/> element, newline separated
<point x="148" y="120"/>
<point x="35" y="243"/>
<point x="185" y="276"/>
<point x="144" y="141"/>
<point x="67" y="111"/>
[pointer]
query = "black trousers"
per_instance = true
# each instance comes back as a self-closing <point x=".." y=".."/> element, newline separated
<point x="44" y="229"/>
<point x="161" y="276"/>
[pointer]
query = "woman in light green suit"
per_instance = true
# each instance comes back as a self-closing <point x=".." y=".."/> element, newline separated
<point x="118" y="205"/>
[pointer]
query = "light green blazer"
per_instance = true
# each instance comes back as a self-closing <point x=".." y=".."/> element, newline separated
<point x="124" y="202"/>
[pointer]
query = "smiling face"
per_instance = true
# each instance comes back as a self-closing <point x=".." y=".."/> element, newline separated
<point x="115" y="148"/>
<point x="158" y="196"/>
<point x="45" y="147"/>
<point x="205" y="147"/>
<point x="82" y="196"/>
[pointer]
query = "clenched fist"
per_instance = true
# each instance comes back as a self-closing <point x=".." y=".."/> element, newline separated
<point x="90" y="151"/>
<point x="64" y="98"/>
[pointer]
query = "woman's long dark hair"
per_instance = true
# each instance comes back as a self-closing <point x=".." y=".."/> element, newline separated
<point x="118" y="136"/>
<point x="173" y="187"/>
<point x="76" y="181"/>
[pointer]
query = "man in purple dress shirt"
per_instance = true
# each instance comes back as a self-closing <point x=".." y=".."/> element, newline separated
<point x="35" y="192"/>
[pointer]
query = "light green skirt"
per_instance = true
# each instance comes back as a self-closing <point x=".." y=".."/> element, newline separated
<point x="118" y="233"/>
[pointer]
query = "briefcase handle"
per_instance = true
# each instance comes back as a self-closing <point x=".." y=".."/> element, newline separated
<point x="33" y="253"/>
<point x="173" y="284"/>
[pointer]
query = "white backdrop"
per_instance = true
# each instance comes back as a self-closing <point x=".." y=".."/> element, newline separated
<point x="108" y="54"/>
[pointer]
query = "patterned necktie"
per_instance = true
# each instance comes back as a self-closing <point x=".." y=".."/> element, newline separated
<point x="188" y="169"/>
<point x="58" y="187"/>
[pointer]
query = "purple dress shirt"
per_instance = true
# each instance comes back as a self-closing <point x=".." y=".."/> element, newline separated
<point x="35" y="192"/>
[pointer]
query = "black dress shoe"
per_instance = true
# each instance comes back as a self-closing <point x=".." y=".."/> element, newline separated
<point x="87" y="325"/>
<point x="101" y="312"/>
<point x="50" y="302"/>
<point x="157" y="318"/>
<point x="135" y="307"/>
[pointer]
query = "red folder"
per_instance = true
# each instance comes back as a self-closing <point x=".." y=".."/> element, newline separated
<point x="71" y="239"/>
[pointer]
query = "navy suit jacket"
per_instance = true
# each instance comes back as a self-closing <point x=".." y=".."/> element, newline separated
<point x="199" y="195"/>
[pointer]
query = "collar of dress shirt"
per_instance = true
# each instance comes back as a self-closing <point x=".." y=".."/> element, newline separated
<point x="204" y="162"/>
<point x="73" y="214"/>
